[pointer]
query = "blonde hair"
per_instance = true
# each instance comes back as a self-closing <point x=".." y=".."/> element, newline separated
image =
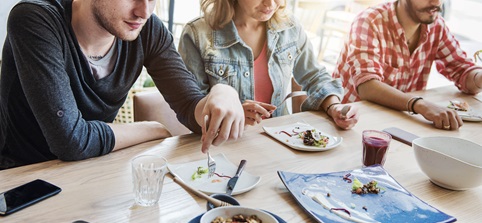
<point x="218" y="13"/>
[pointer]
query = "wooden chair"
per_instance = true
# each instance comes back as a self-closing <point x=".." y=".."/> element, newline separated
<point x="151" y="106"/>
<point x="337" y="22"/>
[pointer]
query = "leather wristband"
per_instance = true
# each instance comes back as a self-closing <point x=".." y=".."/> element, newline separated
<point x="415" y="99"/>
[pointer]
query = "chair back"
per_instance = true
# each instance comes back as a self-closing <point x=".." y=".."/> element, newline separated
<point x="151" y="106"/>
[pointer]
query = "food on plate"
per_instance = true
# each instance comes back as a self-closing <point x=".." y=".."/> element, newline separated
<point x="459" y="105"/>
<point x="342" y="212"/>
<point x="370" y="188"/>
<point x="238" y="218"/>
<point x="199" y="172"/>
<point x="314" y="138"/>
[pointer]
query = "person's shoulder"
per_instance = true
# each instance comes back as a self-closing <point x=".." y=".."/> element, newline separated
<point x="36" y="11"/>
<point x="42" y="3"/>
<point x="376" y="13"/>
<point x="286" y="22"/>
<point x="198" y="22"/>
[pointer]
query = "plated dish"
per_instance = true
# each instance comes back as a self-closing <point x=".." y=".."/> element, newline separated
<point x="289" y="135"/>
<point x="216" y="184"/>
<point x="326" y="197"/>
<point x="465" y="112"/>
<point x="197" y="219"/>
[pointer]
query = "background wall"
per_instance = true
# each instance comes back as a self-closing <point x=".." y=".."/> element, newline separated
<point x="5" y="7"/>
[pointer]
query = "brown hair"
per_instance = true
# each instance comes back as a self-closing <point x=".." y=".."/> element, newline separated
<point x="218" y="13"/>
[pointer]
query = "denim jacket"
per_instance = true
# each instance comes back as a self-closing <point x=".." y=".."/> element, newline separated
<point x="221" y="56"/>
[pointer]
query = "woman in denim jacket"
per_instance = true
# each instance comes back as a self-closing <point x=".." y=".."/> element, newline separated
<point x="255" y="47"/>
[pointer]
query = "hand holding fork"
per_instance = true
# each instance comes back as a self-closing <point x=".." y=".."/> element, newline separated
<point x="211" y="161"/>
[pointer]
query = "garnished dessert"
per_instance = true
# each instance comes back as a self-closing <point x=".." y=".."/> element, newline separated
<point x="314" y="138"/>
<point x="370" y="188"/>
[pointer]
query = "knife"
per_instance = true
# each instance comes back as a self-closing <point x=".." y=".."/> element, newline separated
<point x="234" y="179"/>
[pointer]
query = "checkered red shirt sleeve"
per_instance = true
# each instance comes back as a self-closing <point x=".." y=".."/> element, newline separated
<point x="376" y="49"/>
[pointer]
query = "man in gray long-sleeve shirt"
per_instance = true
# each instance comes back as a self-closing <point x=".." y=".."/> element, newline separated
<point x="67" y="68"/>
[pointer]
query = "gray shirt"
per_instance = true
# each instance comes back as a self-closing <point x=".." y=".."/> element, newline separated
<point x="51" y="106"/>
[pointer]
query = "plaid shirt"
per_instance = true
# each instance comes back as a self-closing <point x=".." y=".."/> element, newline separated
<point x="377" y="49"/>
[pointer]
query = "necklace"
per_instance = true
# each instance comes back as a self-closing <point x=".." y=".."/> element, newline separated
<point x="414" y="35"/>
<point x="95" y="57"/>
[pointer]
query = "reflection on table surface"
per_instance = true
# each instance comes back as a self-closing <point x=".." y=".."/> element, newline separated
<point x="100" y="189"/>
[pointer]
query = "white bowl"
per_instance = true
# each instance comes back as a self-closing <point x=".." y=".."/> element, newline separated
<point x="449" y="162"/>
<point x="230" y="211"/>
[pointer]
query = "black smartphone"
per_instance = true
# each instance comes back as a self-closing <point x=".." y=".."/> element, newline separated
<point x="401" y="135"/>
<point x="25" y="195"/>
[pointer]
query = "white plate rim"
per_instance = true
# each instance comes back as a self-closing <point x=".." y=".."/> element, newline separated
<point x="245" y="183"/>
<point x="467" y="116"/>
<point x="470" y="115"/>
<point x="281" y="137"/>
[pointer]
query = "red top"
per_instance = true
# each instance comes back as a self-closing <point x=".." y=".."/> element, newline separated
<point x="263" y="88"/>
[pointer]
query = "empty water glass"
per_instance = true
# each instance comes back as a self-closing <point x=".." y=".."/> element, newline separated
<point x="148" y="173"/>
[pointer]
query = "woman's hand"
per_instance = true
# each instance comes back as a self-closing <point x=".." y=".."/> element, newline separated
<point x="255" y="111"/>
<point x="344" y="116"/>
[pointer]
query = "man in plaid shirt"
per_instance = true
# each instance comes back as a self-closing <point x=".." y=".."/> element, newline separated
<point x="390" y="51"/>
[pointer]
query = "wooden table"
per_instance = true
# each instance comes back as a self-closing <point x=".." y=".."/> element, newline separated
<point x="100" y="189"/>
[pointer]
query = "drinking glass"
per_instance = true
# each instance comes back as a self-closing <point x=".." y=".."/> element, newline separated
<point x="148" y="173"/>
<point x="375" y="146"/>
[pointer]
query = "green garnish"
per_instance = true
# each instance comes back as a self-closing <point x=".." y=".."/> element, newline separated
<point x="199" y="172"/>
<point x="356" y="184"/>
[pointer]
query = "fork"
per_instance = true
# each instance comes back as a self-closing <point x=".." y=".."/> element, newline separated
<point x="211" y="166"/>
<point x="291" y="95"/>
<point x="211" y="161"/>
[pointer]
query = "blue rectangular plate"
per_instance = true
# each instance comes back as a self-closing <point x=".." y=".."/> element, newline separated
<point x="393" y="204"/>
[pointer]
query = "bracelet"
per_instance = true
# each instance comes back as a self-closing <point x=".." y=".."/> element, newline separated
<point x="415" y="99"/>
<point x="475" y="82"/>
<point x="409" y="108"/>
<point x="329" y="106"/>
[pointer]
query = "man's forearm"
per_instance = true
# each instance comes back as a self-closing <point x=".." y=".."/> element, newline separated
<point x="138" y="132"/>
<point x="383" y="94"/>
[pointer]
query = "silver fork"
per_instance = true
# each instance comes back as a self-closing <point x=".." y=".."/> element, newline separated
<point x="211" y="161"/>
<point x="291" y="95"/>
<point x="211" y="166"/>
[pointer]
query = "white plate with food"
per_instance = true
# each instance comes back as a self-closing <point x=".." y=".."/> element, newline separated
<point x="302" y="136"/>
<point x="195" y="174"/>
<point x="465" y="112"/>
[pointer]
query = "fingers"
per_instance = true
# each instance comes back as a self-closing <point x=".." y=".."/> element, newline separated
<point x="448" y="120"/>
<point x="221" y="128"/>
<point x="345" y="116"/>
<point x="255" y="111"/>
<point x="347" y="123"/>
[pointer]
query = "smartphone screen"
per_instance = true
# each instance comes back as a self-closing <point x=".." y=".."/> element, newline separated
<point x="401" y="135"/>
<point x="25" y="195"/>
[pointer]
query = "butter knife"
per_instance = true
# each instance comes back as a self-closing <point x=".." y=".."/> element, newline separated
<point x="234" y="179"/>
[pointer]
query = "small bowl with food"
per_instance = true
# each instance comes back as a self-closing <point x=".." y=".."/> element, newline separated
<point x="450" y="162"/>
<point x="237" y="214"/>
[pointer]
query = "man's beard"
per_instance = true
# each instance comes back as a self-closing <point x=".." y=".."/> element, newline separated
<point x="414" y="13"/>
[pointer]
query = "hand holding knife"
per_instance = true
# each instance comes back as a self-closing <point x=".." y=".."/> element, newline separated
<point x="234" y="179"/>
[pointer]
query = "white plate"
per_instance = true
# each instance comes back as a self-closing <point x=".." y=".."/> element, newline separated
<point x="215" y="184"/>
<point x="471" y="115"/>
<point x="295" y="141"/>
